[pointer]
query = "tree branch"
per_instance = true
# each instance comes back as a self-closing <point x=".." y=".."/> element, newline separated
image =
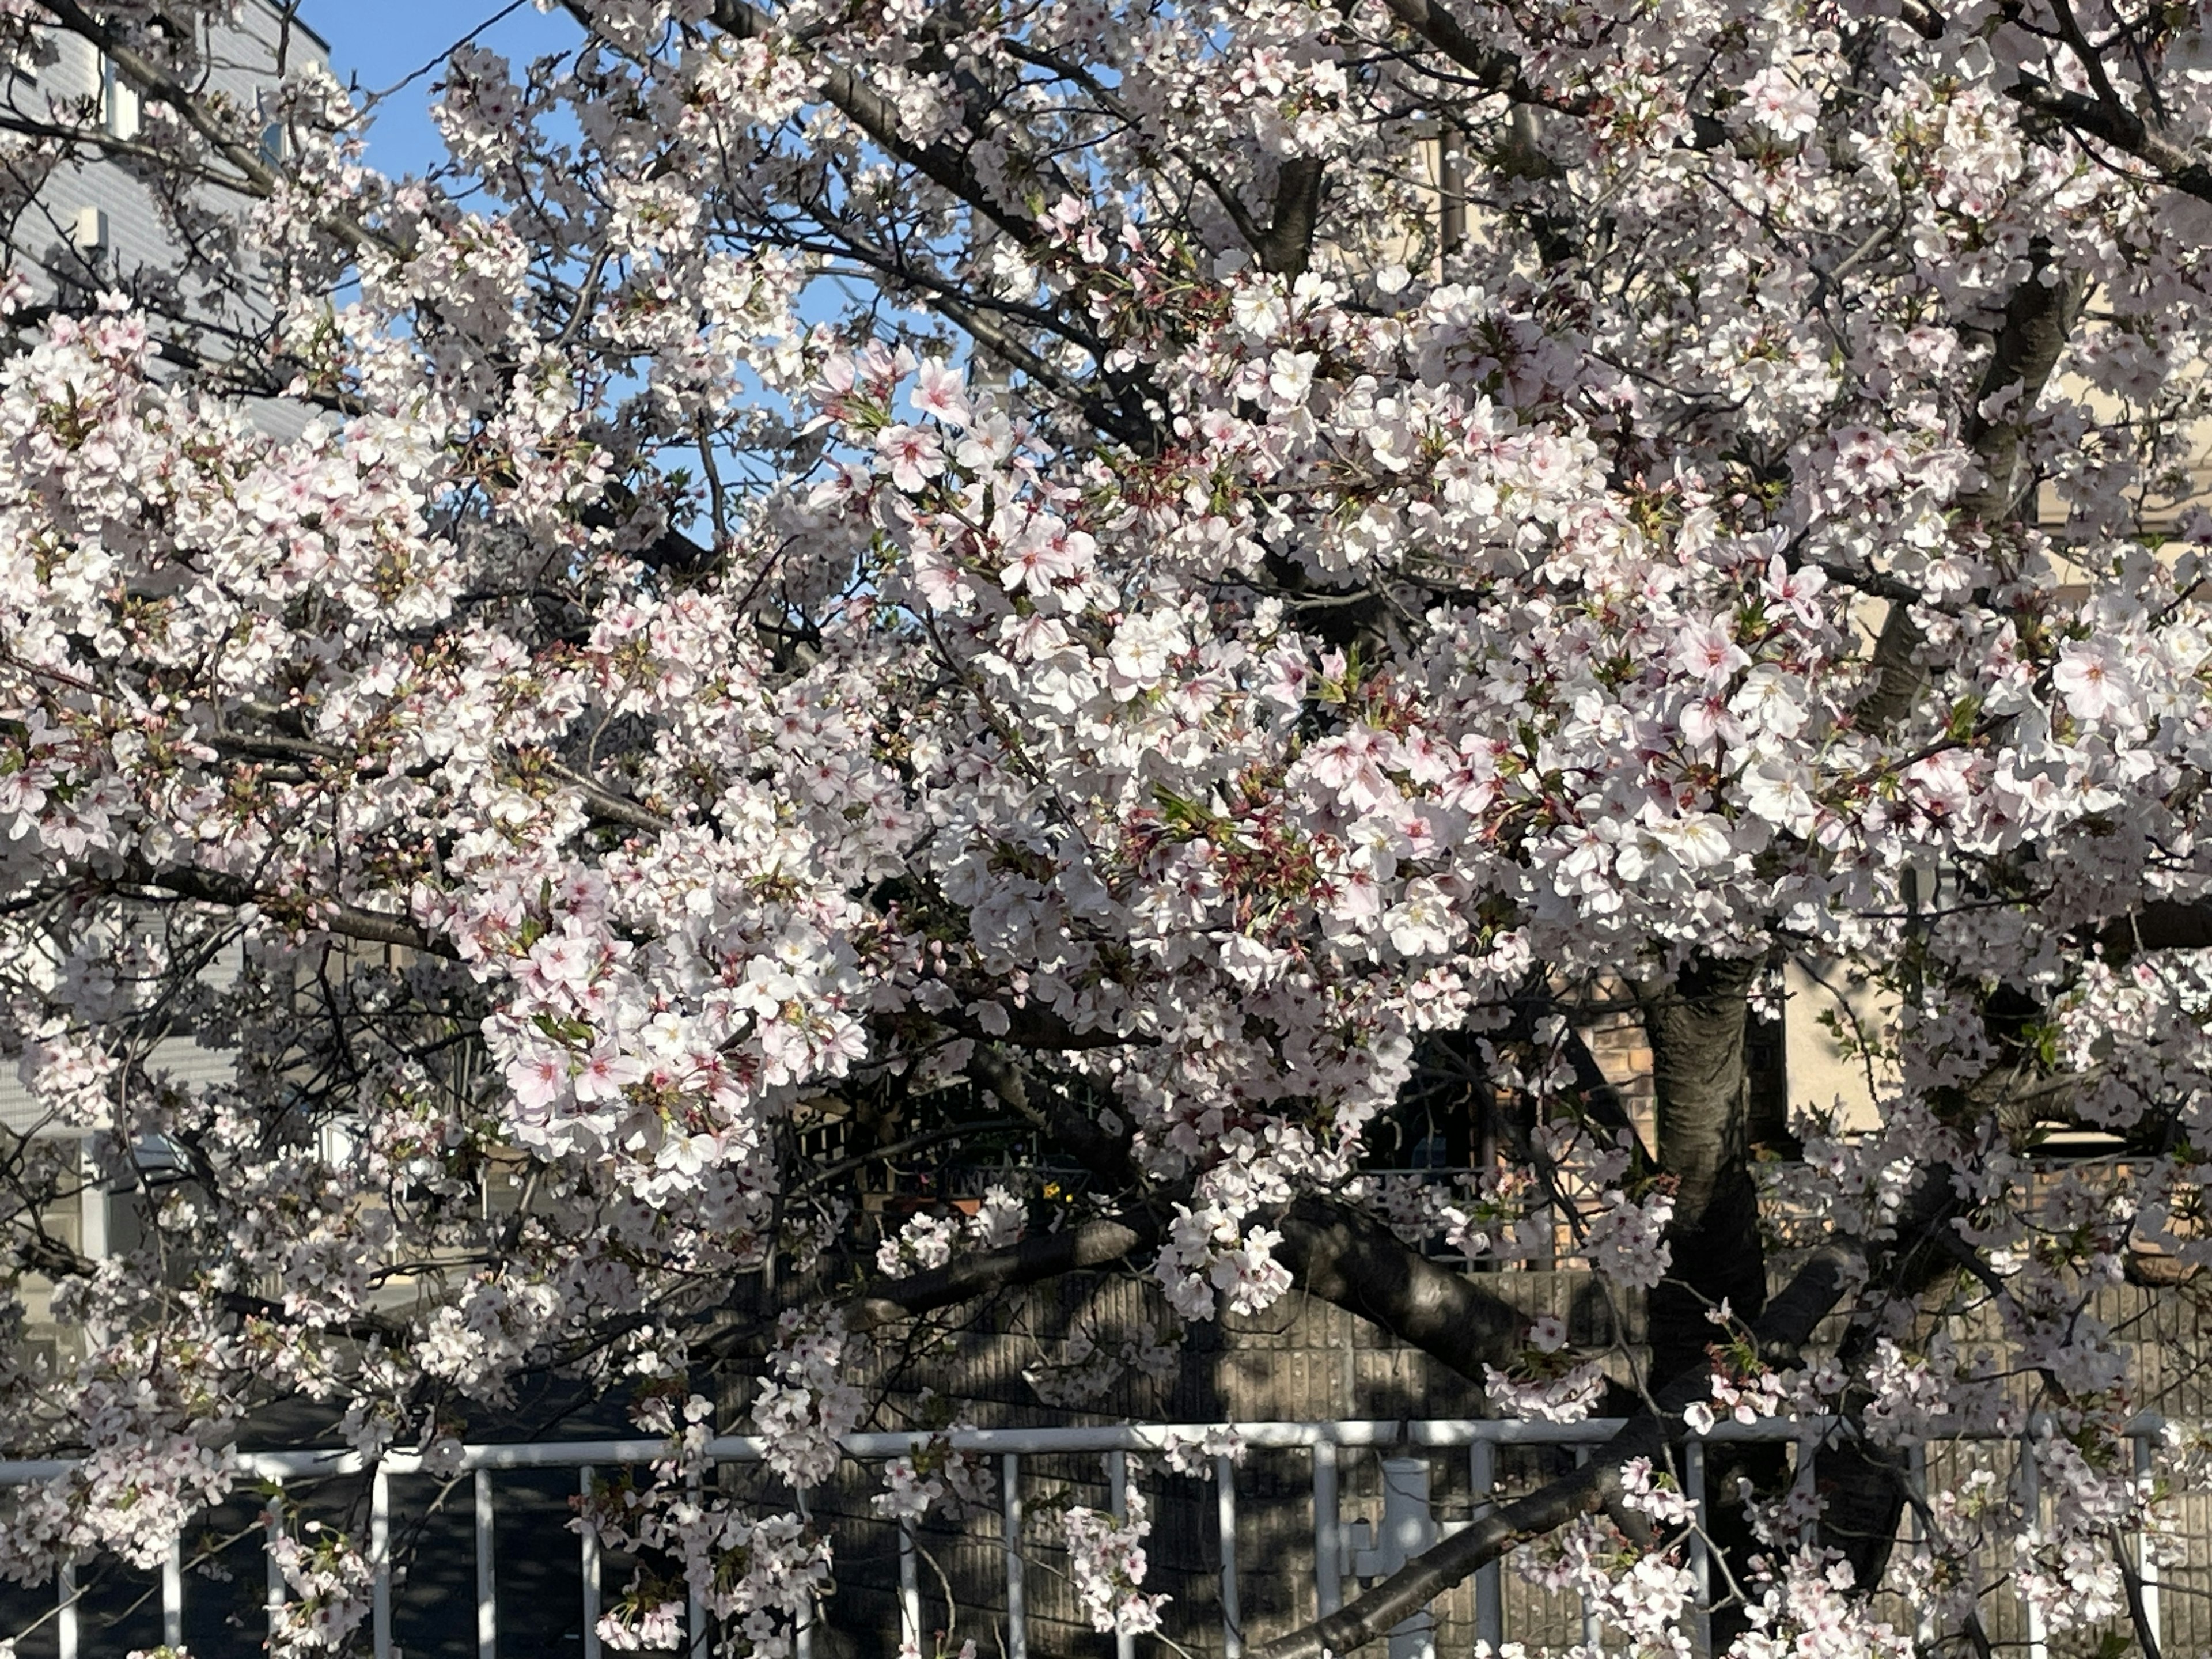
<point x="1045" y="1256"/>
<point x="2160" y="924"/>
<point x="1288" y="242"/>
<point x="1349" y="1259"/>
<point x="327" y="915"/>
<point x="1696" y="1028"/>
<point x="872" y="113"/>
<point x="2038" y="317"/>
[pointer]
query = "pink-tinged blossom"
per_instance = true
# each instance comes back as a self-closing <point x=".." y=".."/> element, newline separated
<point x="913" y="455"/>
<point x="657" y="1627"/>
<point x="2094" y="681"/>
<point x="1357" y="766"/>
<point x="1796" y="591"/>
<point x="1567" y="1397"/>
<point x="1626" y="1243"/>
<point x="1107" y="1560"/>
<point x="1705" y="651"/>
<point x="1778" y="104"/>
<point x="539" y="1081"/>
<point x="1047" y="552"/>
<point x="940" y="391"/>
<point x="605" y="1073"/>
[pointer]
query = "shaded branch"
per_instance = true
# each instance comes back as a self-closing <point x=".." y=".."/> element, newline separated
<point x="1045" y="1256"/>
<point x="1350" y="1259"/>
<point x="1287" y="243"/>
<point x="2161" y="925"/>
<point x="323" y="914"/>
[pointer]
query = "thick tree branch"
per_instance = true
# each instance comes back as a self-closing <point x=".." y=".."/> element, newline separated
<point x="1345" y="1257"/>
<point x="2111" y="123"/>
<point x="1043" y="1256"/>
<point x="1491" y="70"/>
<point x="1288" y="242"/>
<point x="328" y="916"/>
<point x="2038" y="317"/>
<point x="870" y="111"/>
<point x="2161" y="925"/>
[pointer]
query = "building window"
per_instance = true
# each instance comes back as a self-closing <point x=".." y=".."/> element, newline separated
<point x="119" y="101"/>
<point x="272" y="128"/>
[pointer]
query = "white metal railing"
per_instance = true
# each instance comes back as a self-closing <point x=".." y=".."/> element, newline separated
<point x="1406" y="1528"/>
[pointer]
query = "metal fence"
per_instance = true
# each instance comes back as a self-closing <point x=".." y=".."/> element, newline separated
<point x="1361" y="1549"/>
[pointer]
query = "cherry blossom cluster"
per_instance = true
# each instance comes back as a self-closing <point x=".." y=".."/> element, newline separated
<point x="1106" y="1559"/>
<point x="1188" y="582"/>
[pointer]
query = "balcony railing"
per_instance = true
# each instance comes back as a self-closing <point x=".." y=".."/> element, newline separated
<point x="1360" y="1549"/>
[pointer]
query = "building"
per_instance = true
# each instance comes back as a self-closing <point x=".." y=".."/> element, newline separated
<point x="74" y="229"/>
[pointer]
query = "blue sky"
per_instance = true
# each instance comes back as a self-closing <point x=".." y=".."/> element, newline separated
<point x="381" y="42"/>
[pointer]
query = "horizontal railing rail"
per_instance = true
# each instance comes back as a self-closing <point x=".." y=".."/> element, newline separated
<point x="1405" y="1521"/>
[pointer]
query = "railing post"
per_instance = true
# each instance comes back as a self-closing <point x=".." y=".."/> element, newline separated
<point x="1017" y="1616"/>
<point x="65" y="1610"/>
<point x="1407" y="1530"/>
<point x="802" y="1632"/>
<point x="2146" y="1562"/>
<point x="487" y="1571"/>
<point x="1701" y="1564"/>
<point x="1489" y="1583"/>
<point x="1591" y="1631"/>
<point x="1329" y="1537"/>
<point x="695" y="1604"/>
<point x="590" y="1563"/>
<point x="2031" y="1504"/>
<point x="275" y="1531"/>
<point x="172" y="1595"/>
<point x="909" y="1589"/>
<point x="1232" y="1634"/>
<point x="1117" y="1487"/>
<point x="380" y="1560"/>
<point x="1916" y="1470"/>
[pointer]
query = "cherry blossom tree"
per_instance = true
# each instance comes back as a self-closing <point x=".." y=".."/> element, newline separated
<point x="1204" y="571"/>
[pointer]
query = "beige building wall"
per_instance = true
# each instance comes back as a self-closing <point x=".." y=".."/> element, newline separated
<point x="1829" y="1023"/>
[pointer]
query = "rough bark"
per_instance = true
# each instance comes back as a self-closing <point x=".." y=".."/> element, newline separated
<point x="1288" y="244"/>
<point x="1696" y="1028"/>
<point x="1349" y="1259"/>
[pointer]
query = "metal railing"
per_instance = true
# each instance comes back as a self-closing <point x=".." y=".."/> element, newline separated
<point x="1407" y="1528"/>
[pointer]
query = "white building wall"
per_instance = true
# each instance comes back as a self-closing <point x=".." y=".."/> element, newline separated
<point x="132" y="242"/>
<point x="244" y="64"/>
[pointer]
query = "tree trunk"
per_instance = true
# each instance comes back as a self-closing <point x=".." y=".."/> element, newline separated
<point x="1697" y="1031"/>
<point x="1696" y="1028"/>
